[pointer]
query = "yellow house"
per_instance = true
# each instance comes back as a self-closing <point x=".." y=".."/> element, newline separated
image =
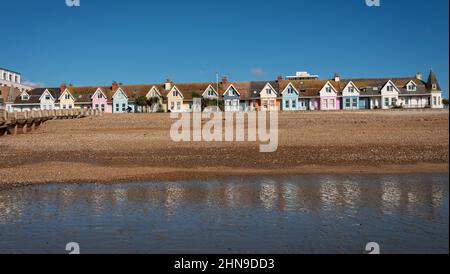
<point x="66" y="100"/>
<point x="175" y="100"/>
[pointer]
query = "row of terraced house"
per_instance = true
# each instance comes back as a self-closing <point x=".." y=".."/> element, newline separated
<point x="280" y="94"/>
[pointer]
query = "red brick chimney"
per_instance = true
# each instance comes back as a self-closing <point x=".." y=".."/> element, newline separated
<point x="114" y="86"/>
<point x="224" y="80"/>
<point x="63" y="87"/>
<point x="280" y="78"/>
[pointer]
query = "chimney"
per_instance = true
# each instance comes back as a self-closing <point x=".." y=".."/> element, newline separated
<point x="419" y="76"/>
<point x="168" y="85"/>
<point x="224" y="80"/>
<point x="63" y="87"/>
<point x="337" y="77"/>
<point x="114" y="86"/>
<point x="280" y="78"/>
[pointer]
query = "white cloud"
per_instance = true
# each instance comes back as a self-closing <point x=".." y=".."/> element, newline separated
<point x="33" y="84"/>
<point x="257" y="71"/>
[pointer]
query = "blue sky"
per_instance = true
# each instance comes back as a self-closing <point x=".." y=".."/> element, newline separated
<point x="141" y="41"/>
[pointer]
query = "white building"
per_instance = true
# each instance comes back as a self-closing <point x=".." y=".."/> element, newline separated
<point x="10" y="78"/>
<point x="302" y="75"/>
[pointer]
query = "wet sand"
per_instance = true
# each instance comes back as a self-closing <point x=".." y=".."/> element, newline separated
<point x="138" y="147"/>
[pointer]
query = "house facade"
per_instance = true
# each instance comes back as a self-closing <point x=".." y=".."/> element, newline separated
<point x="269" y="98"/>
<point x="329" y="98"/>
<point x="231" y="99"/>
<point x="175" y="100"/>
<point x="119" y="101"/>
<point x="389" y="95"/>
<point x="290" y="99"/>
<point x="285" y="95"/>
<point x="100" y="101"/>
<point x="350" y="97"/>
<point x="66" y="100"/>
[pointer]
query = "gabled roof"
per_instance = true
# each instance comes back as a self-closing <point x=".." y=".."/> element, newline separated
<point x="389" y="82"/>
<point x="47" y="91"/>
<point x="232" y="86"/>
<point x="36" y="94"/>
<point x="175" y="88"/>
<point x="350" y="83"/>
<point x="210" y="87"/>
<point x="62" y="93"/>
<point x="121" y="91"/>
<point x="284" y="89"/>
<point x="154" y="88"/>
<point x="188" y="90"/>
<point x="268" y="84"/>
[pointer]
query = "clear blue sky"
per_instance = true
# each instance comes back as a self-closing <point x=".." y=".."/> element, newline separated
<point x="141" y="41"/>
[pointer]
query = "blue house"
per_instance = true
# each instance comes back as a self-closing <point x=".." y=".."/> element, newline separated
<point x="120" y="102"/>
<point x="232" y="99"/>
<point x="350" y="97"/>
<point x="289" y="99"/>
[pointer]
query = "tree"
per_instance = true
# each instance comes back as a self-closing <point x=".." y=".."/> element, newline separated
<point x="152" y="101"/>
<point x="141" y="102"/>
<point x="445" y="102"/>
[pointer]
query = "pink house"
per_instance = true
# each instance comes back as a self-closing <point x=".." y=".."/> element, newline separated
<point x="100" y="101"/>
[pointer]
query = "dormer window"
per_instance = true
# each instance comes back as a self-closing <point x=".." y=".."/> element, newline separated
<point x="211" y="93"/>
<point x="351" y="89"/>
<point x="328" y="89"/>
<point x="25" y="97"/>
<point x="411" y="86"/>
<point x="290" y="90"/>
<point x="67" y="96"/>
<point x="47" y="97"/>
<point x="269" y="91"/>
<point x="390" y="88"/>
<point x="99" y="96"/>
<point x="434" y="86"/>
<point x="175" y="93"/>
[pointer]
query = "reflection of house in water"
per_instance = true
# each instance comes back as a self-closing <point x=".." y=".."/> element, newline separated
<point x="119" y="197"/>
<point x="98" y="198"/>
<point x="391" y="196"/>
<point x="11" y="207"/>
<point x="289" y="195"/>
<point x="268" y="194"/>
<point x="329" y="193"/>
<point x="437" y="196"/>
<point x="351" y="194"/>
<point x="231" y="194"/>
<point x="174" y="196"/>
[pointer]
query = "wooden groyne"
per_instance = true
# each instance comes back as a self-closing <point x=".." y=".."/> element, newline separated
<point x="23" y="122"/>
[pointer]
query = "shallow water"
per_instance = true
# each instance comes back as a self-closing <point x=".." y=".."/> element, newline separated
<point x="292" y="214"/>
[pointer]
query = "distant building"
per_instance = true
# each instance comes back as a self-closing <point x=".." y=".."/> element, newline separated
<point x="302" y="75"/>
<point x="9" y="78"/>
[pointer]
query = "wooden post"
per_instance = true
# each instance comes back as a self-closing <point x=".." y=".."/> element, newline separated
<point x="32" y="121"/>
<point x="15" y="129"/>
<point x="25" y="126"/>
